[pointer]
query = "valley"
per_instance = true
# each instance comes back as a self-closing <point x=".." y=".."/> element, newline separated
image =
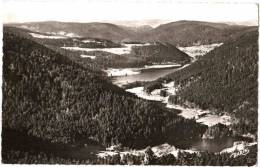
<point x="112" y="95"/>
<point x="206" y="117"/>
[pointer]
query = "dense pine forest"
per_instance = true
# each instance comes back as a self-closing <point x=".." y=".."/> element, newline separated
<point x="160" y="53"/>
<point x="48" y="96"/>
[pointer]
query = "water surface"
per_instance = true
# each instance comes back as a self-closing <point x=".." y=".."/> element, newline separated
<point x="213" y="145"/>
<point x="145" y="75"/>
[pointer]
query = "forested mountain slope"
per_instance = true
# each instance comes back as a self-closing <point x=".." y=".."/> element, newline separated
<point x="160" y="53"/>
<point x="48" y="96"/>
<point x="225" y="79"/>
<point x="54" y="44"/>
<point x="187" y="33"/>
<point x="93" y="30"/>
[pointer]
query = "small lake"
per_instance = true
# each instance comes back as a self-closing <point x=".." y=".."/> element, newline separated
<point x="145" y="75"/>
<point x="213" y="145"/>
<point x="217" y="145"/>
<point x="209" y="145"/>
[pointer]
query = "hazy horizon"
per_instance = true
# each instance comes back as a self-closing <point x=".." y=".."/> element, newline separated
<point x="128" y="12"/>
<point x="152" y="23"/>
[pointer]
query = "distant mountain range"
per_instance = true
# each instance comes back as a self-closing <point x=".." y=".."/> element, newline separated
<point x="246" y="23"/>
<point x="138" y="29"/>
<point x="187" y="33"/>
<point x="181" y="33"/>
<point x="92" y="30"/>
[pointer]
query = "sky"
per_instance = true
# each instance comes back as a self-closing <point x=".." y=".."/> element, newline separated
<point x="136" y="12"/>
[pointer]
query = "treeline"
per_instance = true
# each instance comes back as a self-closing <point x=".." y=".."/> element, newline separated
<point x="49" y="96"/>
<point x="224" y="79"/>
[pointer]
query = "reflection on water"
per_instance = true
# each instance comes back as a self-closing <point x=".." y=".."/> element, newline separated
<point x="212" y="145"/>
<point x="148" y="75"/>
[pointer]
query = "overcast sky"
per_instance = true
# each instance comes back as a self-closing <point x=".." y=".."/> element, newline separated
<point x="124" y="10"/>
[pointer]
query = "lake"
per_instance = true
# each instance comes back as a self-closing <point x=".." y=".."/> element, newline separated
<point x="145" y="75"/>
<point x="213" y="145"/>
<point x="209" y="145"/>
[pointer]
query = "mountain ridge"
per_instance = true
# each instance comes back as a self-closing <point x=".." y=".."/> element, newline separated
<point x="183" y="32"/>
<point x="188" y="33"/>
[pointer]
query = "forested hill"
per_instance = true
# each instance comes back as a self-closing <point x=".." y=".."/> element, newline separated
<point x="187" y="33"/>
<point x="48" y="96"/>
<point x="159" y="52"/>
<point x="225" y="79"/>
<point x="92" y="30"/>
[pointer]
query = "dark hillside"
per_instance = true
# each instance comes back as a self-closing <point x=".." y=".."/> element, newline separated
<point x="225" y="79"/>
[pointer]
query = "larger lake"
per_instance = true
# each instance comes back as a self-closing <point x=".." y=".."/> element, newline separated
<point x="145" y="75"/>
